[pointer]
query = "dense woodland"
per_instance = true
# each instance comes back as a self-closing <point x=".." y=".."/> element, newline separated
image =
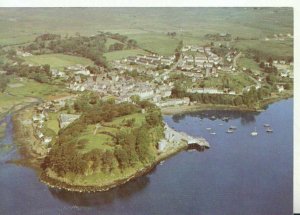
<point x="132" y="145"/>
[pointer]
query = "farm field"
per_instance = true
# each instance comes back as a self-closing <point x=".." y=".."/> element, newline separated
<point x="117" y="55"/>
<point x="31" y="88"/>
<point x="23" y="90"/>
<point x="157" y="43"/>
<point x="58" y="61"/>
<point x="274" y="48"/>
<point x="248" y="63"/>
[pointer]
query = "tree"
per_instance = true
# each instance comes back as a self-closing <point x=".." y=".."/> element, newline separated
<point x="153" y="117"/>
<point x="271" y="79"/>
<point x="122" y="157"/>
<point x="3" y="82"/>
<point x="262" y="65"/>
<point x="135" y="99"/>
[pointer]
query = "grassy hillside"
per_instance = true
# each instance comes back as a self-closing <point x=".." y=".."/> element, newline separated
<point x="23" y="24"/>
<point x="275" y="48"/>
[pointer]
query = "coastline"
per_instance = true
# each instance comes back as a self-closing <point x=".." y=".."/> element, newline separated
<point x="173" y="110"/>
<point x="202" y="107"/>
<point x="54" y="183"/>
<point x="32" y="158"/>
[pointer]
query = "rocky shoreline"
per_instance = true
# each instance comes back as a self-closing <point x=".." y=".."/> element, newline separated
<point x="55" y="183"/>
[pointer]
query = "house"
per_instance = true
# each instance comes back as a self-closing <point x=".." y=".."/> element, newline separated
<point x="47" y="140"/>
<point x="77" y="79"/>
<point x="56" y="73"/>
<point x="66" y="119"/>
<point x="23" y="54"/>
<point x="39" y="134"/>
<point x="205" y="91"/>
<point x="38" y="118"/>
<point x="285" y="73"/>
<point x="280" y="88"/>
<point x="82" y="72"/>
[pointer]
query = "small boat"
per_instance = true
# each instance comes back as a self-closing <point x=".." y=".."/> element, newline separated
<point x="254" y="133"/>
<point x="270" y="130"/>
<point x="266" y="125"/>
<point x="213" y="117"/>
<point x="230" y="130"/>
<point x="208" y="128"/>
<point x="213" y="133"/>
<point x="225" y="118"/>
<point x="161" y="163"/>
<point x="232" y="127"/>
<point x="220" y="123"/>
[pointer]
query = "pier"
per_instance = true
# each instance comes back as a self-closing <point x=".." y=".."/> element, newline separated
<point x="175" y="139"/>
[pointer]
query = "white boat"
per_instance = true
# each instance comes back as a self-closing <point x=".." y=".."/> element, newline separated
<point x="208" y="128"/>
<point x="225" y="118"/>
<point x="220" y="123"/>
<point x="161" y="163"/>
<point x="266" y="125"/>
<point x="270" y="130"/>
<point x="213" y="133"/>
<point x="254" y="133"/>
<point x="232" y="127"/>
<point x="230" y="130"/>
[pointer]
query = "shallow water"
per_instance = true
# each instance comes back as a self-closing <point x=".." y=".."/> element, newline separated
<point x="239" y="174"/>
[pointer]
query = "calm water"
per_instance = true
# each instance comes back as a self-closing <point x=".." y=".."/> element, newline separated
<point x="239" y="174"/>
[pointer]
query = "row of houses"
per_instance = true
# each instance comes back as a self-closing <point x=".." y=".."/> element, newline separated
<point x="152" y="61"/>
<point x="196" y="48"/>
<point x="40" y="116"/>
<point x="205" y="90"/>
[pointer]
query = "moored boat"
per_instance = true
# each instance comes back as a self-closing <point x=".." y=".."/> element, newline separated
<point x="254" y="133"/>
<point x="270" y="130"/>
<point x="232" y="127"/>
<point x="230" y="130"/>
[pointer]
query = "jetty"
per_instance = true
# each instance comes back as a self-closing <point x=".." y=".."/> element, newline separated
<point x="175" y="139"/>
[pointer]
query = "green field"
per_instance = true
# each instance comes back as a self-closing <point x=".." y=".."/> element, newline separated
<point x="31" y="88"/>
<point x="239" y="81"/>
<point x="149" y="26"/>
<point x="58" y="61"/>
<point x="138" y="117"/>
<point x="95" y="141"/>
<point x="100" y="139"/>
<point x="52" y="123"/>
<point x="248" y="64"/>
<point x="117" y="55"/>
<point x="21" y="90"/>
<point x="110" y="41"/>
<point x="275" y="48"/>
<point x="158" y="43"/>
